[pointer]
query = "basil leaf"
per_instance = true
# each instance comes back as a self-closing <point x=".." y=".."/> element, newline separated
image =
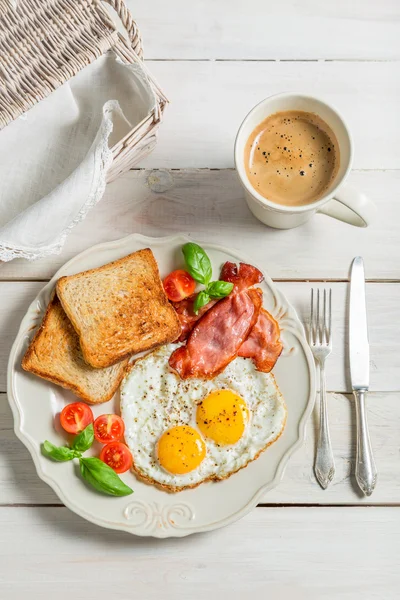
<point x="58" y="453"/>
<point x="219" y="289"/>
<point x="102" y="477"/>
<point x="201" y="300"/>
<point x="198" y="263"/>
<point x="84" y="439"/>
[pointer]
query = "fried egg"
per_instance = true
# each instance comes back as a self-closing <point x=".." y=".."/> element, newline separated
<point x="184" y="432"/>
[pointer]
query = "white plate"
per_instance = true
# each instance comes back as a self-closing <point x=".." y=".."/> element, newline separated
<point x="149" y="511"/>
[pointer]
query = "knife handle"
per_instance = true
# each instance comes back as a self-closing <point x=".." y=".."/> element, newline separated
<point x="366" y="473"/>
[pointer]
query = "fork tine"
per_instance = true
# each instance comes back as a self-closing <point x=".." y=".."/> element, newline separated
<point x="312" y="339"/>
<point x="330" y="317"/>
<point x="318" y="331"/>
<point x="324" y="335"/>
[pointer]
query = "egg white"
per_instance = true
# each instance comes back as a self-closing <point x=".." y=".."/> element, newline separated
<point x="154" y="399"/>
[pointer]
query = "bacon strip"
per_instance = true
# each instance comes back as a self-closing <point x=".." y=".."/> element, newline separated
<point x="216" y="339"/>
<point x="188" y="319"/>
<point x="243" y="277"/>
<point x="263" y="344"/>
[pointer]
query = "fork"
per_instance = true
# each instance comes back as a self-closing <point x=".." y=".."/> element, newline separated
<point x="321" y="347"/>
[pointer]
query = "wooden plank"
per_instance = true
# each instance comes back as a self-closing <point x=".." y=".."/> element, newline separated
<point x="256" y="30"/>
<point x="210" y="99"/>
<point x="20" y="484"/>
<point x="288" y="552"/>
<point x="383" y="311"/>
<point x="210" y="206"/>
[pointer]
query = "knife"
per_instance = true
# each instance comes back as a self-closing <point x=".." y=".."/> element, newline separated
<point x="365" y="472"/>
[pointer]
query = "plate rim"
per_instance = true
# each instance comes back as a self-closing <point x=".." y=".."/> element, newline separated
<point x="298" y="331"/>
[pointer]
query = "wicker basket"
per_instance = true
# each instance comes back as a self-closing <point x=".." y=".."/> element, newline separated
<point x="43" y="43"/>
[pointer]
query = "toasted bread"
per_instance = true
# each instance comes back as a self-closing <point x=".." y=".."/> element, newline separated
<point x="55" y="354"/>
<point x="119" y="309"/>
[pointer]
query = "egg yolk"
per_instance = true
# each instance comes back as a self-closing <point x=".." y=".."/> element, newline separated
<point x="180" y="449"/>
<point x="222" y="417"/>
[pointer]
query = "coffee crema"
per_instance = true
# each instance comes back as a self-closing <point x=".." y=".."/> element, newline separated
<point x="292" y="157"/>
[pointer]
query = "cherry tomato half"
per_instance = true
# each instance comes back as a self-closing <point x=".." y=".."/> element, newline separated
<point x="179" y="285"/>
<point x="75" y="417"/>
<point x="117" y="456"/>
<point x="108" y="428"/>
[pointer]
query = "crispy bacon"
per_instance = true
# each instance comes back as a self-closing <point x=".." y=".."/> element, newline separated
<point x="243" y="277"/>
<point x="217" y="337"/>
<point x="263" y="344"/>
<point x="184" y="310"/>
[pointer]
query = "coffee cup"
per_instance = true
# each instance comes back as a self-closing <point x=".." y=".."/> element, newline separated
<point x="340" y="200"/>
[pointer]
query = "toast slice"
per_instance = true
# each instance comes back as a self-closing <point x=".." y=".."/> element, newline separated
<point x="55" y="354"/>
<point x="119" y="309"/>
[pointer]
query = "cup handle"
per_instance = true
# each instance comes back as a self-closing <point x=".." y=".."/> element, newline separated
<point x="350" y="206"/>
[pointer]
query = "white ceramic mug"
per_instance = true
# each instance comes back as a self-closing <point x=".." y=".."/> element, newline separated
<point x="341" y="201"/>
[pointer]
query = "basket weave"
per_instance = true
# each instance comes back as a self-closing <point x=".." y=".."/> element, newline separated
<point x="43" y="43"/>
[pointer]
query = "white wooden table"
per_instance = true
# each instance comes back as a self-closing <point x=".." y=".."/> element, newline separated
<point x="215" y="60"/>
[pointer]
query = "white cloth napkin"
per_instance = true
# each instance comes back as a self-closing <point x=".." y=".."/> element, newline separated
<point x="54" y="158"/>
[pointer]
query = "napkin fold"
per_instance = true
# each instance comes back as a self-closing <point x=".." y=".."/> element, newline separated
<point x="54" y="158"/>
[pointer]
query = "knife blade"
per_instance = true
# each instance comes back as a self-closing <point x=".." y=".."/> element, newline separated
<point x="358" y="328"/>
<point x="366" y="474"/>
